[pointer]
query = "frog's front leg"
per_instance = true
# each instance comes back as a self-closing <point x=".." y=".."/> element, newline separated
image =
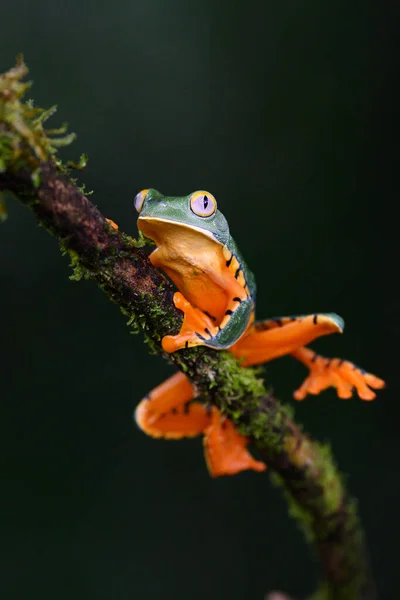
<point x="168" y="412"/>
<point x="198" y="328"/>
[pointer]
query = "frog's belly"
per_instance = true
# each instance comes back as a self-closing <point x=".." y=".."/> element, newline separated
<point x="200" y="291"/>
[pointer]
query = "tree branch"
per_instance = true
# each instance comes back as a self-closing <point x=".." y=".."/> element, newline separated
<point x="304" y="469"/>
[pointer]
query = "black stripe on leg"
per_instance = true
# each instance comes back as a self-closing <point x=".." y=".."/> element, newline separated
<point x="200" y="336"/>
<point x="228" y="262"/>
<point x="210" y="316"/>
<point x="237" y="272"/>
<point x="315" y="319"/>
<point x="262" y="325"/>
<point x="229" y="312"/>
<point x="237" y="300"/>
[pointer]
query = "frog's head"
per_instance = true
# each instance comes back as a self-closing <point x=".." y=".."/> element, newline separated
<point x="197" y="212"/>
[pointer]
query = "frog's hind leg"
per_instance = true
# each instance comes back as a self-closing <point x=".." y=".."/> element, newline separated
<point x="168" y="412"/>
<point x="341" y="374"/>
<point x="324" y="372"/>
<point x="267" y="340"/>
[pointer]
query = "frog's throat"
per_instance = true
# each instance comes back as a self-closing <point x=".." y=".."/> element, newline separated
<point x="148" y="231"/>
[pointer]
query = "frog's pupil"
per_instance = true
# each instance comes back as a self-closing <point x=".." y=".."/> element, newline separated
<point x="205" y="201"/>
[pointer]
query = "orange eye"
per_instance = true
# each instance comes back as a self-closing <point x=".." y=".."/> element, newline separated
<point x="203" y="204"/>
<point x="139" y="200"/>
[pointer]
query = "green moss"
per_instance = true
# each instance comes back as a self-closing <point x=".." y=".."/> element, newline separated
<point x="142" y="241"/>
<point x="303" y="517"/>
<point x="35" y="177"/>
<point x="6" y="150"/>
<point x="79" y="271"/>
<point x="24" y="141"/>
<point x="80" y="165"/>
<point x="241" y="381"/>
<point x="328" y="501"/>
<point x="330" y="478"/>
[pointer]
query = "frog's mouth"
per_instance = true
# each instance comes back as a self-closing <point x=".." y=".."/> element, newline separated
<point x="161" y="230"/>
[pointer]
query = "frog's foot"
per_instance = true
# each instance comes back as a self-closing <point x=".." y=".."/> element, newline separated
<point x="335" y="372"/>
<point x="166" y="412"/>
<point x="273" y="338"/>
<point x="225" y="449"/>
<point x="113" y="225"/>
<point x="196" y="328"/>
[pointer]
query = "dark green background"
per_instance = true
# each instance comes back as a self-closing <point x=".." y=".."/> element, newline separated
<point x="285" y="112"/>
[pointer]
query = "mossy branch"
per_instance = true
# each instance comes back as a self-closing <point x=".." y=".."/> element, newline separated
<point x="303" y="469"/>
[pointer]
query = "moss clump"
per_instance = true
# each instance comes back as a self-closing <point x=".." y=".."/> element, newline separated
<point x="142" y="241"/>
<point x="330" y="478"/>
<point x="24" y="141"/>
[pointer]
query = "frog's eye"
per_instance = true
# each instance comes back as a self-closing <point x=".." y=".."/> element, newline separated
<point x="139" y="200"/>
<point x="203" y="204"/>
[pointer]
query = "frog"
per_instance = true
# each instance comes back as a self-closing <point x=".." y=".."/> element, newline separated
<point x="216" y="292"/>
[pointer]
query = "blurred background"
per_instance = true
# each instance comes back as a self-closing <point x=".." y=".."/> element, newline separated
<point x="286" y="113"/>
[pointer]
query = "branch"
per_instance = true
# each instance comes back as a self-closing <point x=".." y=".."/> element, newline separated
<point x="304" y="469"/>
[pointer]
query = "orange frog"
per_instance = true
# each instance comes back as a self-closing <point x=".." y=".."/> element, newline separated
<point x="217" y="295"/>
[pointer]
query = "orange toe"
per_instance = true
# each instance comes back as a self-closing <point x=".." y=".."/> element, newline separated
<point x="343" y="375"/>
<point x="113" y="225"/>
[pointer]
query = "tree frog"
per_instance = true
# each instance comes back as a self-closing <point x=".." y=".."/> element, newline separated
<point x="216" y="293"/>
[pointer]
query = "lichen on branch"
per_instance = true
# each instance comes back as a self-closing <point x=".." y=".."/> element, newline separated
<point x="305" y="470"/>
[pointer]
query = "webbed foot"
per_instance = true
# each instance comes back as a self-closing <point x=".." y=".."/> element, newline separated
<point x="341" y="374"/>
<point x="225" y="449"/>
